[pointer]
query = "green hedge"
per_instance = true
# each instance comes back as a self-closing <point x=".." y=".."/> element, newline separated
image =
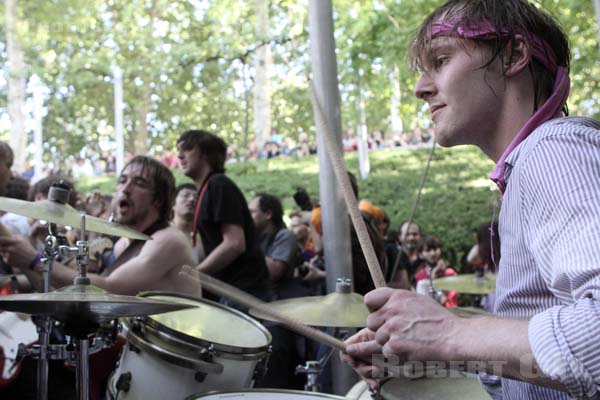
<point x="455" y="199"/>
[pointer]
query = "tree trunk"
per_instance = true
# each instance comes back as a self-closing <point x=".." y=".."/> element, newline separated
<point x="395" y="102"/>
<point x="16" y="86"/>
<point x="141" y="134"/>
<point x="262" y="66"/>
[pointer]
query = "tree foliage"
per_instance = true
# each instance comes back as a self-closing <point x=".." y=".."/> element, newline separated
<point x="184" y="63"/>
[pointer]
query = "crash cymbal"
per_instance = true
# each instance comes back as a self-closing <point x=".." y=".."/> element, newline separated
<point x="83" y="306"/>
<point x="333" y="310"/>
<point x="64" y="214"/>
<point x="469" y="284"/>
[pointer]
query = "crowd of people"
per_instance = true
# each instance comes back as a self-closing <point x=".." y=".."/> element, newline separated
<point x="495" y="75"/>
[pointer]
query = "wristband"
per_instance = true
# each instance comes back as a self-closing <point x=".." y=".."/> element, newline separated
<point x="35" y="261"/>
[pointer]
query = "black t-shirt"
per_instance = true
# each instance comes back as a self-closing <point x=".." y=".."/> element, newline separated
<point x="224" y="203"/>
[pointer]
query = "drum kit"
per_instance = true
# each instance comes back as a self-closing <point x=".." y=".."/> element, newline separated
<point x="177" y="346"/>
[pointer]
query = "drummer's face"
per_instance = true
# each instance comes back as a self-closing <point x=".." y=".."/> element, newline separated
<point x="135" y="200"/>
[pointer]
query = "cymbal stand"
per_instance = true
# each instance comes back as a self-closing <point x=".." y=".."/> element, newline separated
<point x="44" y="351"/>
<point x="44" y="323"/>
<point x="313" y="368"/>
<point x="433" y="292"/>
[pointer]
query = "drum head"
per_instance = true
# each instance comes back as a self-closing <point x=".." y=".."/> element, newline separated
<point x="211" y="322"/>
<point x="264" y="394"/>
<point x="449" y="385"/>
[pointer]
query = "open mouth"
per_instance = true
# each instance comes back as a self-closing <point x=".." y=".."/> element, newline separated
<point x="123" y="205"/>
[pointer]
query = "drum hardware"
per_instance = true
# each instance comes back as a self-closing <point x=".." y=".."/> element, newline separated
<point x="81" y="307"/>
<point x="313" y="368"/>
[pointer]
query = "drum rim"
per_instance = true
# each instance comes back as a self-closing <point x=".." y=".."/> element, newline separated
<point x="201" y="395"/>
<point x="220" y="347"/>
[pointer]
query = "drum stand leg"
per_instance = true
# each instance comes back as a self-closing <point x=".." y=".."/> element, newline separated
<point x="42" y="366"/>
<point x="83" y="370"/>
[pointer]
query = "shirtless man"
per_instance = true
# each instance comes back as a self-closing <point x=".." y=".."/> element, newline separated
<point x="144" y="202"/>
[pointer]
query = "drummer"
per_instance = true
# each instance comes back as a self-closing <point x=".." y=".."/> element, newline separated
<point x="494" y="71"/>
<point x="144" y="201"/>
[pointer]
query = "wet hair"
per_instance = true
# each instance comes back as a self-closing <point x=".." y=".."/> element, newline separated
<point x="212" y="147"/>
<point x="268" y="202"/>
<point x="163" y="183"/>
<point x="509" y="19"/>
<point x="184" y="186"/>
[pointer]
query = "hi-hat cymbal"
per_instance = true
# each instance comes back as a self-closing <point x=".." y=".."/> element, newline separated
<point x="83" y="306"/>
<point x="64" y="214"/>
<point x="333" y="310"/>
<point x="469" y="284"/>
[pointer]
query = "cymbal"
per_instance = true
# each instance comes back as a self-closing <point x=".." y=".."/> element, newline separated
<point x="64" y="214"/>
<point x="468" y="312"/>
<point x="333" y="310"/>
<point x="83" y="306"/>
<point x="469" y="284"/>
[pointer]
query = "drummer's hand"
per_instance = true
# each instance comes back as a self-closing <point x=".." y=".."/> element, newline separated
<point x="409" y="326"/>
<point x="359" y="352"/>
<point x="17" y="251"/>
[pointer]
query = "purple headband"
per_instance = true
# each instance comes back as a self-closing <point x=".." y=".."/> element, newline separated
<point x="542" y="52"/>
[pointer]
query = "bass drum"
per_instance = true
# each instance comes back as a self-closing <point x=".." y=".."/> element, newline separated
<point x="453" y="386"/>
<point x="175" y="354"/>
<point x="264" y="394"/>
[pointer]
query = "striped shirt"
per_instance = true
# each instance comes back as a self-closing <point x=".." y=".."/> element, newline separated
<point x="549" y="271"/>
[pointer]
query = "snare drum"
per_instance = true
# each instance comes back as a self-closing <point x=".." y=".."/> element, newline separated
<point x="449" y="386"/>
<point x="175" y="354"/>
<point x="264" y="394"/>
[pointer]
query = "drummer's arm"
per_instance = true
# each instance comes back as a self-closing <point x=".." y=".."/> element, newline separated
<point x="167" y="250"/>
<point x="232" y="246"/>
<point x="505" y="344"/>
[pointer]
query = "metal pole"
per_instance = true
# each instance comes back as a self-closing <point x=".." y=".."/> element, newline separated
<point x="83" y="376"/>
<point x="43" y="327"/>
<point x="334" y="215"/>
<point x="118" y="83"/>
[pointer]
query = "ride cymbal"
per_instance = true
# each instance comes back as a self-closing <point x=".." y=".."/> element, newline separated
<point x="468" y="284"/>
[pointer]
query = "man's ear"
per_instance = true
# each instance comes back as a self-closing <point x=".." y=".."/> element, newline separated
<point x="518" y="58"/>
<point x="269" y="214"/>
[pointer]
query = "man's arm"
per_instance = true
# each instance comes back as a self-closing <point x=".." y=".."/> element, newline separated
<point x="282" y="254"/>
<point x="232" y="246"/>
<point x="167" y="250"/>
<point x="406" y="326"/>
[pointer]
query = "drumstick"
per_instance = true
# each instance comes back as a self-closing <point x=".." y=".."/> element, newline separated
<point x="223" y="289"/>
<point x="341" y="175"/>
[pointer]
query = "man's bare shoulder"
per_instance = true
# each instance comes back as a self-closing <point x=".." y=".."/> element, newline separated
<point x="168" y="233"/>
<point x="169" y="240"/>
